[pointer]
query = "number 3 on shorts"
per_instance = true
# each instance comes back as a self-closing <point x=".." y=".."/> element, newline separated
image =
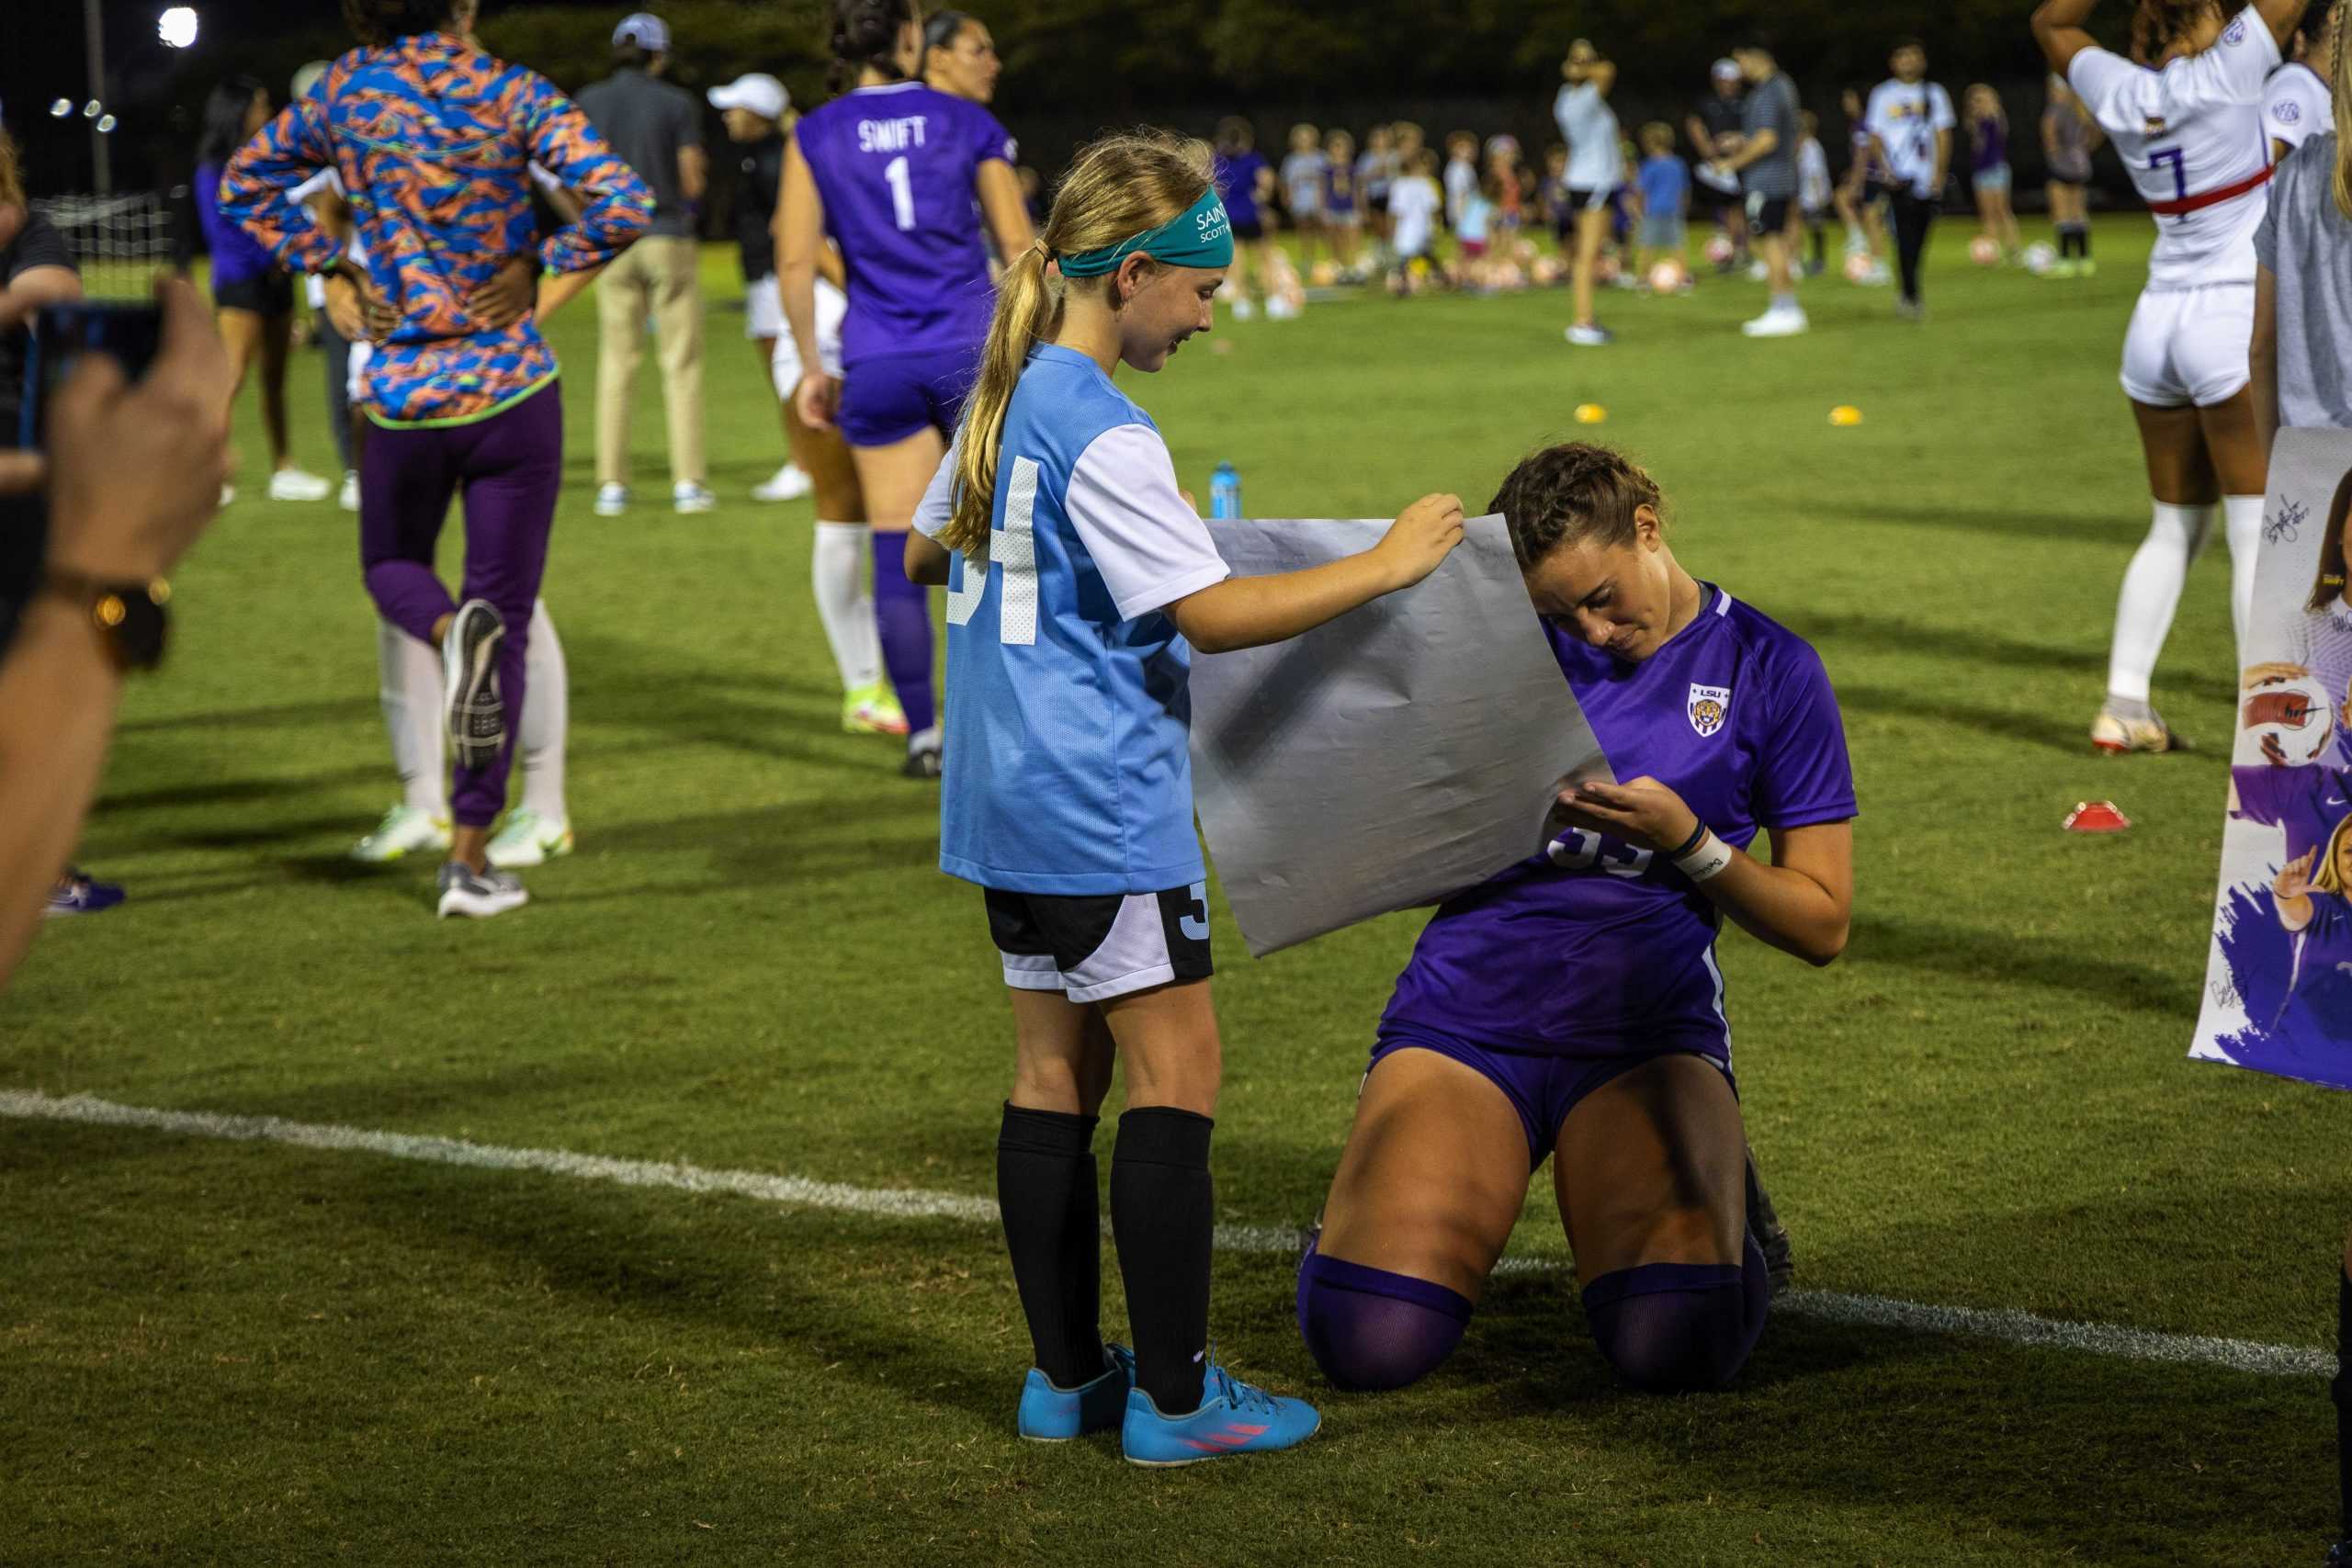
<point x="1012" y="549"/>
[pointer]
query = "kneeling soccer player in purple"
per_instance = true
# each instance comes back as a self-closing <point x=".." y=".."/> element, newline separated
<point x="1572" y="1006"/>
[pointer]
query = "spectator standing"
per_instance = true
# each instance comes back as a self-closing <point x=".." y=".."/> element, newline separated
<point x="656" y="128"/>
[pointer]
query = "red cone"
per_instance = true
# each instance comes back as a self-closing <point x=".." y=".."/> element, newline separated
<point x="2096" y="816"/>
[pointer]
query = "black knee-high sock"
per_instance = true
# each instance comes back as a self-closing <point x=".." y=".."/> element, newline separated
<point x="2343" y="1391"/>
<point x="1163" y="1210"/>
<point x="1046" y="1189"/>
<point x="1820" y="244"/>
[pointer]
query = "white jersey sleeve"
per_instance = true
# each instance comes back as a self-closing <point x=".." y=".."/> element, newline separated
<point x="2191" y="136"/>
<point x="1151" y="548"/>
<point x="2295" y="105"/>
<point x="938" y="504"/>
<point x="2133" y="100"/>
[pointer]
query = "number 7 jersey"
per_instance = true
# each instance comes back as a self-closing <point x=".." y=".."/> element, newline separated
<point x="1067" y="761"/>
<point x="2192" y="136"/>
<point x="895" y="167"/>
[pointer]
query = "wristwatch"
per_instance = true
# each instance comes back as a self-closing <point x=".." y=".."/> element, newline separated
<point x="130" y="615"/>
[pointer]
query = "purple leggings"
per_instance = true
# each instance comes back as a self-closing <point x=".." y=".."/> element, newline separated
<point x="509" y="468"/>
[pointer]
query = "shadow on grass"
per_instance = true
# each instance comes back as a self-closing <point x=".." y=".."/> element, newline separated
<point x="1888" y="634"/>
<point x="1994" y="958"/>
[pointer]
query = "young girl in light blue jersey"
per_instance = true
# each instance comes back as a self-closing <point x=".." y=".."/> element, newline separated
<point x="1079" y="573"/>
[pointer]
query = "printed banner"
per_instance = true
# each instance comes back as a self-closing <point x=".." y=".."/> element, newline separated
<point x="2278" y="985"/>
<point x="1389" y="759"/>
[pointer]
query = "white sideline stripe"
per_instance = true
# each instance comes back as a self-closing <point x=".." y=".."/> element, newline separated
<point x="1873" y="1311"/>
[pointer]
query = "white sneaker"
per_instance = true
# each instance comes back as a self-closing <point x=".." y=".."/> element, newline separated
<point x="1243" y="309"/>
<point x="1777" y="322"/>
<point x="404" y="830"/>
<point x="690" y="498"/>
<point x="2116" y="735"/>
<point x="611" y="499"/>
<point x="790" y="483"/>
<point x="529" y="839"/>
<point x="1590" y="337"/>
<point x="293" y="484"/>
<point x="349" y="499"/>
<point x="478" y="894"/>
<point x="1758" y="272"/>
<point x="1281" y="310"/>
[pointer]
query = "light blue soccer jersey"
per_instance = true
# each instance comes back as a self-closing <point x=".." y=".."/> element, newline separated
<point x="1067" y="769"/>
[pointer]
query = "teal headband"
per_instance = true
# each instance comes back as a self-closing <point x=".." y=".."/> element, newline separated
<point x="1201" y="236"/>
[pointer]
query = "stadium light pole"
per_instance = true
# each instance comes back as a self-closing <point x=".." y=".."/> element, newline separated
<point x="101" y="165"/>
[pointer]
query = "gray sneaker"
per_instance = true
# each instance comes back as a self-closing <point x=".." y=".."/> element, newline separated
<point x="476" y="715"/>
<point x="1772" y="1235"/>
<point x="480" y="893"/>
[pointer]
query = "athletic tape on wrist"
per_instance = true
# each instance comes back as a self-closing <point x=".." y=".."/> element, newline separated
<point x="1705" y="861"/>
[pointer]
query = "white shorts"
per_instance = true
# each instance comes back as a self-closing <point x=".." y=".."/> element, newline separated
<point x="763" y="309"/>
<point x="831" y="306"/>
<point x="2188" y="346"/>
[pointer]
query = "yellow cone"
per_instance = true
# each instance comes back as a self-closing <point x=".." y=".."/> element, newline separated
<point x="1845" y="413"/>
<point x="1590" y="414"/>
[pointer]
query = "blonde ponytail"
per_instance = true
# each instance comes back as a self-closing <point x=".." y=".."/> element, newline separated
<point x="1119" y="187"/>
<point x="2340" y="82"/>
<point x="1028" y="308"/>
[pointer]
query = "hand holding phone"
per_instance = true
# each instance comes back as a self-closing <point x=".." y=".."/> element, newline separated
<point x="134" y="467"/>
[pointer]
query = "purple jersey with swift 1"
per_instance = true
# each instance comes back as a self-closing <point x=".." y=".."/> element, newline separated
<point x="1600" y="948"/>
<point x="894" y="166"/>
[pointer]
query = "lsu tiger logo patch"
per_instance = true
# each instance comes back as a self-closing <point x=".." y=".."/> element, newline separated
<point x="1709" y="705"/>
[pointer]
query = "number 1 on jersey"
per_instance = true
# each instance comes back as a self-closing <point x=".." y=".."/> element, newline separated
<point x="1013" y="548"/>
<point x="902" y="193"/>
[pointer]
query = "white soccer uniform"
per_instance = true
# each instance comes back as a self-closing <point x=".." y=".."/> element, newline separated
<point x="1596" y="146"/>
<point x="2192" y="136"/>
<point x="1413" y="206"/>
<point x="785" y="363"/>
<point x="2296" y="104"/>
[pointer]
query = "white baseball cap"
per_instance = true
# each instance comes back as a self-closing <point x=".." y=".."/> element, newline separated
<point x="759" y="91"/>
<point x="646" y="30"/>
<point x="1724" y="70"/>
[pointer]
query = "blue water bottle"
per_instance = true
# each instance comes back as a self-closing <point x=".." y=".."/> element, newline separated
<point x="1225" y="493"/>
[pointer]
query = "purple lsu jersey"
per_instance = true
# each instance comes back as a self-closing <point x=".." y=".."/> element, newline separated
<point x="895" y="167"/>
<point x="2305" y="804"/>
<point x="1599" y="947"/>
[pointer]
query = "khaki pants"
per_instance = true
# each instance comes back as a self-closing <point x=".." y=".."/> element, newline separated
<point x="658" y="276"/>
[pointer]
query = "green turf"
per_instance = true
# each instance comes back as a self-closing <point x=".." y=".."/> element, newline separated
<point x="255" y="1354"/>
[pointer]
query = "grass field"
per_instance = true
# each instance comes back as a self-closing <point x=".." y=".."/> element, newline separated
<point x="248" y="1352"/>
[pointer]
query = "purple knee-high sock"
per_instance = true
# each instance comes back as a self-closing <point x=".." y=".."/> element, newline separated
<point x="902" y="614"/>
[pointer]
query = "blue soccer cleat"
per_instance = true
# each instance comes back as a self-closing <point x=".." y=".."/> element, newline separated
<point x="1234" y="1419"/>
<point x="1051" y="1414"/>
<point x="78" y="893"/>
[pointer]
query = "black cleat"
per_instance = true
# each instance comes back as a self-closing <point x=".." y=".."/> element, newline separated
<point x="1772" y="1235"/>
<point x="923" y="762"/>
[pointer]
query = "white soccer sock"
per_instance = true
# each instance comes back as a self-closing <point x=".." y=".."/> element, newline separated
<point x="2242" y="521"/>
<point x="2151" y="587"/>
<point x="837" y="568"/>
<point x="546" y="716"/>
<point x="409" y="685"/>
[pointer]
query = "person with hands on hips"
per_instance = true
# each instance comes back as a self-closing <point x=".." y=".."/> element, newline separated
<point x="133" y="473"/>
<point x="1571" y="1008"/>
